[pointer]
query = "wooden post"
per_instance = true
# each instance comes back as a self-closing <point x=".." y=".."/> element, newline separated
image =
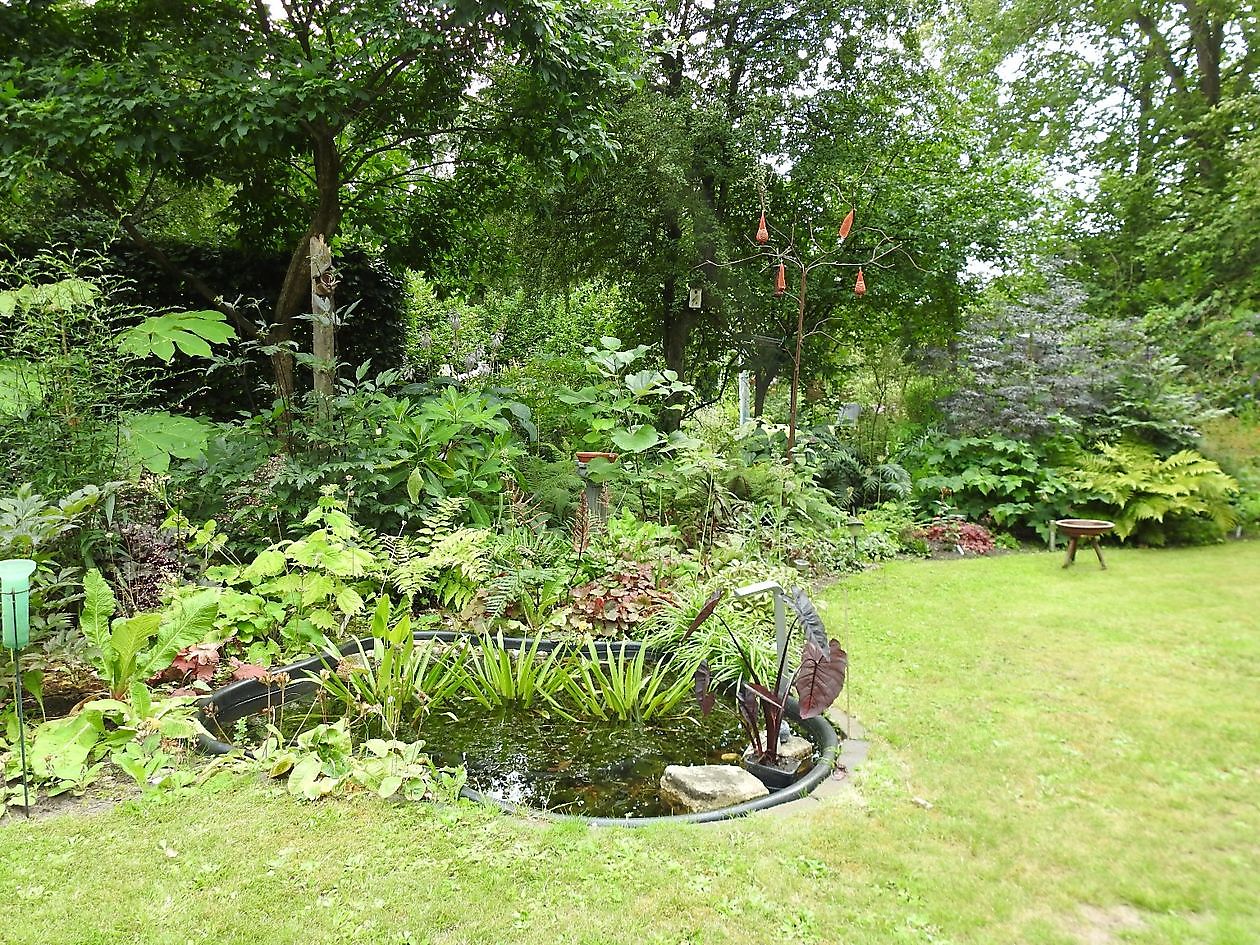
<point x="324" y="329"/>
<point x="796" y="367"/>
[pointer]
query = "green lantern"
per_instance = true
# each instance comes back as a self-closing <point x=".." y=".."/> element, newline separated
<point x="15" y="601"/>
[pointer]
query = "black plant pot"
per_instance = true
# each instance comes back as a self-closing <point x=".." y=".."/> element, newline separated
<point x="775" y="777"/>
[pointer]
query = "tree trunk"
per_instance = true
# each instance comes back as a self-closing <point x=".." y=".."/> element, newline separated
<point x="296" y="285"/>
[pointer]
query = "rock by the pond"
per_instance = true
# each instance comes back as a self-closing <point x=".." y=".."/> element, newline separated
<point x="697" y="788"/>
<point x="793" y="748"/>
<point x="796" y="748"/>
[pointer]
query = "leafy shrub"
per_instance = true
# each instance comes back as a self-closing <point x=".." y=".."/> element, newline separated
<point x="1015" y="484"/>
<point x="952" y="534"/>
<point x="132" y="649"/>
<point x="1150" y="498"/>
<point x="75" y="392"/>
<point x="1039" y="366"/>
<point x="888" y="530"/>
<point x="618" y="603"/>
<point x="393" y="457"/>
<point x="291" y="595"/>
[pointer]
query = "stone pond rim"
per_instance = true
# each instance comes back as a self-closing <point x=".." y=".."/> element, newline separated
<point x="250" y="696"/>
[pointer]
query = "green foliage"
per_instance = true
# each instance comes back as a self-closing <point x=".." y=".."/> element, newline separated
<point x="325" y="762"/>
<point x="395" y="459"/>
<point x="67" y="755"/>
<point x="399" y="680"/>
<point x="619" y="408"/>
<point x="79" y="379"/>
<point x="1015" y="484"/>
<point x="153" y="439"/>
<point x="497" y="675"/>
<point x="294" y="593"/>
<point x="626" y="687"/>
<point x="441" y="562"/>
<point x="888" y="530"/>
<point x="128" y="650"/>
<point x="191" y="332"/>
<point x="1152" y="499"/>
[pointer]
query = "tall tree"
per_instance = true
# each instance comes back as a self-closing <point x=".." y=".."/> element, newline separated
<point x="308" y="113"/>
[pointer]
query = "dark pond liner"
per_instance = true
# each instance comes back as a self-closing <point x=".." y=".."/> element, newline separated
<point x="250" y="696"/>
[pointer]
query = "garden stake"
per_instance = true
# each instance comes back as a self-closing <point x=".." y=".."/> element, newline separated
<point x="15" y="622"/>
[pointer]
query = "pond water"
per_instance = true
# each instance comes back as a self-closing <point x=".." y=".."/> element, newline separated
<point x="593" y="768"/>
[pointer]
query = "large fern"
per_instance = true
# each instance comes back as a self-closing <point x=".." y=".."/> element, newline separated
<point x="1143" y="494"/>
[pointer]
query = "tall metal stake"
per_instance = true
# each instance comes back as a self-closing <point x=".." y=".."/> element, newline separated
<point x="17" y="694"/>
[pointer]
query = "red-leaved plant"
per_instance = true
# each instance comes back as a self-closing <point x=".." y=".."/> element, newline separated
<point x="818" y="678"/>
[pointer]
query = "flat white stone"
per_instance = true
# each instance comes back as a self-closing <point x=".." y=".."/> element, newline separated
<point x="697" y="788"/>
<point x="794" y="748"/>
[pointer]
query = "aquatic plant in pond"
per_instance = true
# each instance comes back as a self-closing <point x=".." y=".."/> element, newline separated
<point x="399" y="679"/>
<point x="818" y="678"/>
<point x="625" y="687"/>
<point x="496" y="675"/>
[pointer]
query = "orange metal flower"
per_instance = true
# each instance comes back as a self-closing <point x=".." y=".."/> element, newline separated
<point x="859" y="287"/>
<point x="846" y="226"/>
<point x="763" y="234"/>
<point x="780" y="280"/>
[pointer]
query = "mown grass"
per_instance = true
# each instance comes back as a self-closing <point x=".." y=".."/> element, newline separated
<point x="1044" y="742"/>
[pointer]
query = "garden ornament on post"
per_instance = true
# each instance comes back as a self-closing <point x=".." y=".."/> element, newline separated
<point x="15" y="623"/>
<point x="805" y="255"/>
<point x="854" y="526"/>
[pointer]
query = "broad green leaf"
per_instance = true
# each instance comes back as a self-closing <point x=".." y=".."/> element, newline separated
<point x="98" y="609"/>
<point x="153" y="438"/>
<point x="187" y="621"/>
<point x="191" y="332"/>
<point x="349" y="601"/>
<point x="128" y="638"/>
<point x="61" y="748"/>
<point x="389" y="786"/>
<point x="267" y="564"/>
<point x="637" y="439"/>
<point x="20" y="389"/>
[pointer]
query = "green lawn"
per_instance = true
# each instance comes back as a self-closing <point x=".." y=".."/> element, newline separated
<point x="1057" y="757"/>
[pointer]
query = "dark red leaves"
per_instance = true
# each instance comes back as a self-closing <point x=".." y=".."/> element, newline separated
<point x="242" y="670"/>
<point x="704" y="694"/>
<point x="821" y="677"/>
<point x="705" y="612"/>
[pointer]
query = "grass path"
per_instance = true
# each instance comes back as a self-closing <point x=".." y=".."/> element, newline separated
<point x="1058" y="757"/>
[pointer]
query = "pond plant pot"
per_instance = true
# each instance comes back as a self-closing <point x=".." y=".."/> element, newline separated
<point x="776" y="776"/>
<point x="222" y="708"/>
